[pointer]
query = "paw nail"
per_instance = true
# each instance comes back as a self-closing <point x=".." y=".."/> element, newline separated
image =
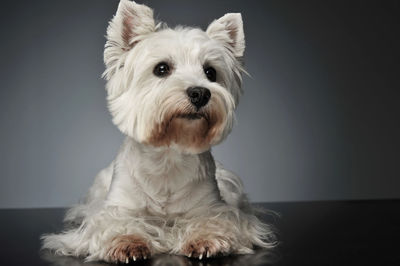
<point x="190" y="254"/>
<point x="208" y="254"/>
<point x="126" y="260"/>
<point x="201" y="256"/>
<point x="134" y="258"/>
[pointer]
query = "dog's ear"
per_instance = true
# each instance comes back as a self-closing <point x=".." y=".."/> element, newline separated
<point x="131" y="23"/>
<point x="229" y="31"/>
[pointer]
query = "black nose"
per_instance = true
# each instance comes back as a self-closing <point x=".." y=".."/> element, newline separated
<point x="198" y="96"/>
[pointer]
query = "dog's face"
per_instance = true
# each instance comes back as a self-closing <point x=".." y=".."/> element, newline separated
<point x="173" y="87"/>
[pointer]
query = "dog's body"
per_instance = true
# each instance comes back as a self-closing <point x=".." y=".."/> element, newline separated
<point x="173" y="93"/>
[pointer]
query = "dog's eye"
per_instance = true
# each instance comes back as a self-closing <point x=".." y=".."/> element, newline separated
<point x="161" y="69"/>
<point x="211" y="74"/>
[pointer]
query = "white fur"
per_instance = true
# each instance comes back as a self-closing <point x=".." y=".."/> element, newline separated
<point x="172" y="194"/>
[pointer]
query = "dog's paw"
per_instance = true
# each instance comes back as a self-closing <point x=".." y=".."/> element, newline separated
<point x="126" y="248"/>
<point x="204" y="247"/>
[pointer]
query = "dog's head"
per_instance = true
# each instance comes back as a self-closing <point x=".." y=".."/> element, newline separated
<point x="173" y="87"/>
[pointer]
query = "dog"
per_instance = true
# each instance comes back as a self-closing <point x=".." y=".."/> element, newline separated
<point x="172" y="92"/>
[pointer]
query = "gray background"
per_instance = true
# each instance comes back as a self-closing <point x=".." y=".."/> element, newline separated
<point x="319" y="119"/>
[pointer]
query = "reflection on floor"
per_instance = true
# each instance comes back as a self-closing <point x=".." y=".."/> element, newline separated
<point x="261" y="257"/>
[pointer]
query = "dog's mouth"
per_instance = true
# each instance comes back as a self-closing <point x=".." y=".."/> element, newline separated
<point x="193" y="116"/>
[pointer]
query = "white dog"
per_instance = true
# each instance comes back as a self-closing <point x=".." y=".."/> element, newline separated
<point x="173" y="93"/>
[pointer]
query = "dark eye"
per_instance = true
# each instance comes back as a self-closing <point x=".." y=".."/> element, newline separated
<point x="211" y="74"/>
<point x="161" y="69"/>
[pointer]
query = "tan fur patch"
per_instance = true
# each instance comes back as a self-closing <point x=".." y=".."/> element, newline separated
<point x="198" y="134"/>
<point x="202" y="248"/>
<point x="127" y="248"/>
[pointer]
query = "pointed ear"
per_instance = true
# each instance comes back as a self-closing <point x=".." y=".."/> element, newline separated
<point x="229" y="31"/>
<point x="131" y="23"/>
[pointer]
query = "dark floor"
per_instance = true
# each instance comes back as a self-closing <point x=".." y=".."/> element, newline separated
<point x="312" y="233"/>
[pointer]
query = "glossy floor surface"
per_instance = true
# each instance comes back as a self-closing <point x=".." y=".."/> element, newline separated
<point x="311" y="233"/>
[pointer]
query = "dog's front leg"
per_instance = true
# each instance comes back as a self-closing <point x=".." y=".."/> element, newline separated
<point x="112" y="234"/>
<point x="138" y="234"/>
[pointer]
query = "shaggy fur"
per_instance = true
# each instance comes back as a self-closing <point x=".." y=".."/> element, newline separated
<point x="164" y="193"/>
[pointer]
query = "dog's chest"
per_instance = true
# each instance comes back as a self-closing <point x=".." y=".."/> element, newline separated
<point x="169" y="194"/>
<point x="162" y="182"/>
<point x="185" y="199"/>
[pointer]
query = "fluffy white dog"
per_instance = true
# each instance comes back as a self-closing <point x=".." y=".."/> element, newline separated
<point x="173" y="93"/>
